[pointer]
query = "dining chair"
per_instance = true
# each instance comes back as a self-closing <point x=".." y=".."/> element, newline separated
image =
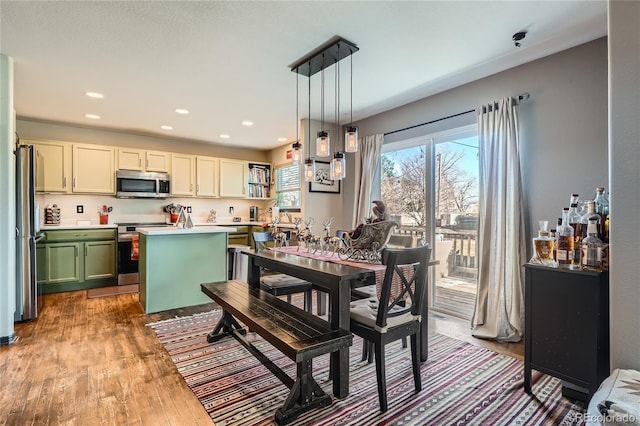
<point x="390" y="318"/>
<point x="281" y="284"/>
<point x="395" y="241"/>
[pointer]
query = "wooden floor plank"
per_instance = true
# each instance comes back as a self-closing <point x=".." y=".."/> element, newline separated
<point x="94" y="361"/>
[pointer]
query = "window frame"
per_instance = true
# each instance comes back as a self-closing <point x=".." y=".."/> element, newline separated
<point x="299" y="189"/>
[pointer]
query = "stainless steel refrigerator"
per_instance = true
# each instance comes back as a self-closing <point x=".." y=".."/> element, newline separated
<point x="27" y="230"/>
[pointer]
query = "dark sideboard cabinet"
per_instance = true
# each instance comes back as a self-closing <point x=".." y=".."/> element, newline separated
<point x="567" y="328"/>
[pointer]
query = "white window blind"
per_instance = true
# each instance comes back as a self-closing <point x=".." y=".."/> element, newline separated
<point x="289" y="186"/>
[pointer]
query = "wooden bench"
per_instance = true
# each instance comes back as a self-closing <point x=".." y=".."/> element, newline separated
<point x="298" y="334"/>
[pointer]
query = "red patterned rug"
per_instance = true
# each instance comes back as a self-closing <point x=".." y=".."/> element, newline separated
<point x="462" y="384"/>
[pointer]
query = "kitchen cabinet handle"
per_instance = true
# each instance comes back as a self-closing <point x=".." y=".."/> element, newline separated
<point x="74" y="182"/>
<point x="139" y="162"/>
<point x="147" y="163"/>
<point x="86" y="251"/>
<point x="64" y="182"/>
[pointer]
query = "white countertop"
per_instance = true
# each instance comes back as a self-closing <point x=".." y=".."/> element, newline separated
<point x="174" y="230"/>
<point x="76" y="226"/>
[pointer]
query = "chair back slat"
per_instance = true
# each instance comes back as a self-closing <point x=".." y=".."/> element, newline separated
<point x="260" y="240"/>
<point x="410" y="265"/>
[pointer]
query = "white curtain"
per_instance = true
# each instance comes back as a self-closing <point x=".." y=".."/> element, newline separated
<point x="366" y="169"/>
<point x="499" y="310"/>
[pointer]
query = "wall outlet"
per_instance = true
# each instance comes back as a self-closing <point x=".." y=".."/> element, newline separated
<point x="231" y="210"/>
<point x="188" y="209"/>
<point x="79" y="209"/>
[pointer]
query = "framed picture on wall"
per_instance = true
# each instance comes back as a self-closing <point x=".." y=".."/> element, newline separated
<point x="321" y="182"/>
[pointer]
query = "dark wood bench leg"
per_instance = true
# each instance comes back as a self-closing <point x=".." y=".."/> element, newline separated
<point x="305" y="395"/>
<point x="225" y="327"/>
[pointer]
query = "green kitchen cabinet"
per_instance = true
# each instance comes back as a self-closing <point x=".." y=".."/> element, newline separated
<point x="62" y="262"/>
<point x="41" y="263"/>
<point x="99" y="260"/>
<point x="77" y="259"/>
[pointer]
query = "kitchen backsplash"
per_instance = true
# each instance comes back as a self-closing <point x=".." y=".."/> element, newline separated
<point x="143" y="210"/>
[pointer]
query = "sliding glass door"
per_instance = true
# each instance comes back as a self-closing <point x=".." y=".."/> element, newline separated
<point x="430" y="186"/>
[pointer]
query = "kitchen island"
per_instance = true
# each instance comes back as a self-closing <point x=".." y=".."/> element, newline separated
<point x="173" y="262"/>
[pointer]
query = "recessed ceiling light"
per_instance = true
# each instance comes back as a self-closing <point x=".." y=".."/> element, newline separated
<point x="94" y="95"/>
<point x="247" y="123"/>
<point x="165" y="127"/>
<point x="224" y="136"/>
<point x="182" y="111"/>
<point x="282" y="139"/>
<point x="92" y="116"/>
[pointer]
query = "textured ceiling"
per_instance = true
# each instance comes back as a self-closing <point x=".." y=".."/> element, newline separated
<point x="228" y="61"/>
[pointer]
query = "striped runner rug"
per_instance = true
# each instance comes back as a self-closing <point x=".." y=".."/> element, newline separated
<point x="462" y="384"/>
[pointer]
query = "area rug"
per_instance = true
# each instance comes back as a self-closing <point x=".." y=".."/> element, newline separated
<point x="462" y="384"/>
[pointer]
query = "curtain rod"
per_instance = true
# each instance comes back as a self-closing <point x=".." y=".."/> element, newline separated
<point x="522" y="97"/>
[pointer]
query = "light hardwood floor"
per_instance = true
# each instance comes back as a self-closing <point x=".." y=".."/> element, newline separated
<point x="94" y="361"/>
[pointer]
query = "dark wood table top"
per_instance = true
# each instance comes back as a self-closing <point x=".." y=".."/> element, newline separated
<point x="315" y="270"/>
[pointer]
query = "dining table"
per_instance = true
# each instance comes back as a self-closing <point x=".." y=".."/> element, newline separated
<point x="335" y="277"/>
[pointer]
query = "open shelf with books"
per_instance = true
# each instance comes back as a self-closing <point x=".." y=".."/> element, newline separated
<point x="259" y="180"/>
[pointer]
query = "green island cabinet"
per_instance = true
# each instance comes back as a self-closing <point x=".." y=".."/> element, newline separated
<point x="76" y="259"/>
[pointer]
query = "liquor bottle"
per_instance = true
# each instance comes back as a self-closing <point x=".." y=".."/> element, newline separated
<point x="602" y="208"/>
<point x="574" y="221"/>
<point x="592" y="247"/>
<point x="590" y="214"/>
<point x="552" y="235"/>
<point x="574" y="199"/>
<point x="543" y="244"/>
<point x="566" y="242"/>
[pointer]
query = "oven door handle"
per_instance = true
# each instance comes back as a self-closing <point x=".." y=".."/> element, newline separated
<point x="125" y="237"/>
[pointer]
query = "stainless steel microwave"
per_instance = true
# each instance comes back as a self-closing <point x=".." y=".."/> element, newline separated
<point x="133" y="184"/>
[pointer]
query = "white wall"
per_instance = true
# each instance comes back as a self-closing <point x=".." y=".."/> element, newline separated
<point x="7" y="200"/>
<point x="624" y="173"/>
<point x="563" y="124"/>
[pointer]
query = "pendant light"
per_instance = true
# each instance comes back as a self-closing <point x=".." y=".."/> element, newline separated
<point x="296" y="148"/>
<point x="329" y="53"/>
<point x="309" y="164"/>
<point x="351" y="132"/>
<point x="337" y="167"/>
<point x="323" y="141"/>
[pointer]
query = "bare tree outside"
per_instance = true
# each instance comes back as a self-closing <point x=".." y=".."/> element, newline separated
<point x="404" y="190"/>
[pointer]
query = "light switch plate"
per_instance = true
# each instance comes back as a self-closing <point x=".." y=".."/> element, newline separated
<point x="79" y="209"/>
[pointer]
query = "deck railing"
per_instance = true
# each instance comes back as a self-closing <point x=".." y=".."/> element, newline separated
<point x="462" y="258"/>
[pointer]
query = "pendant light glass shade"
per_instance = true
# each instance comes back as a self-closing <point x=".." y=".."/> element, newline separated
<point x="351" y="139"/>
<point x="296" y="153"/>
<point x="337" y="168"/>
<point x="309" y="170"/>
<point x="323" y="144"/>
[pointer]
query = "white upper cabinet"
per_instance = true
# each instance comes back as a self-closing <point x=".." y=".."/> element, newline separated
<point x="53" y="165"/>
<point x="138" y="159"/>
<point x="157" y="161"/>
<point x="233" y="178"/>
<point x="130" y="159"/>
<point x="93" y="169"/>
<point x="183" y="175"/>
<point x="207" y="176"/>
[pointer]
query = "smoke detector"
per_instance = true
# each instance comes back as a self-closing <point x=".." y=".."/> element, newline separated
<point x="517" y="37"/>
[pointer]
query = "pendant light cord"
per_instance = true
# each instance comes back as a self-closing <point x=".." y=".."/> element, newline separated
<point x="351" y="90"/>
<point x="337" y="88"/>
<point x="309" y="117"/>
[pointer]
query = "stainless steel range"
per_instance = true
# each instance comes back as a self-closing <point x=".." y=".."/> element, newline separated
<point x="128" y="264"/>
